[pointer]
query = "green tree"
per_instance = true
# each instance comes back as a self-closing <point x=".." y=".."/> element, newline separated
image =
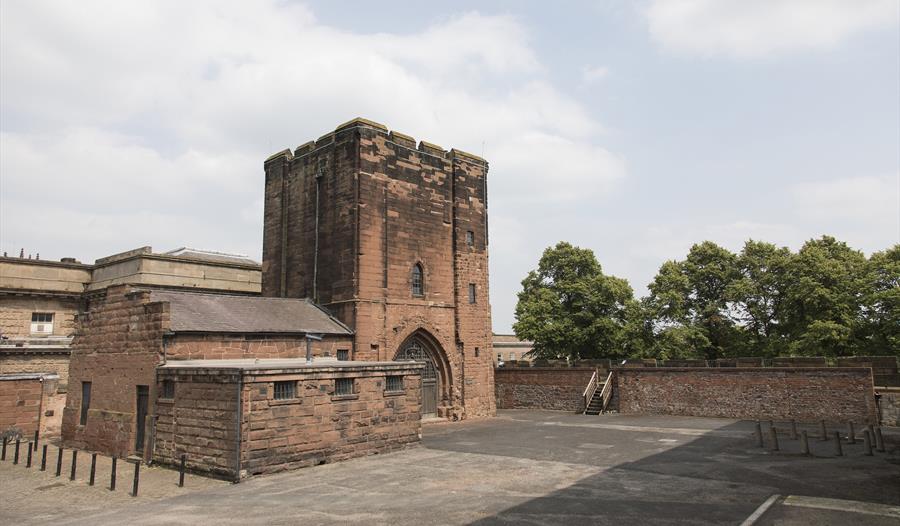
<point x="880" y="324"/>
<point x="570" y="309"/>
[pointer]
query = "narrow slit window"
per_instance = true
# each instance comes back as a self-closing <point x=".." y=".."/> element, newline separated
<point x="418" y="280"/>
<point x="285" y="390"/>
<point x="85" y="401"/>
<point x="471" y="293"/>
<point x="470" y="238"/>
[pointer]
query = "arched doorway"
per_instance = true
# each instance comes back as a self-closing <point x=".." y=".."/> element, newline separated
<point x="434" y="378"/>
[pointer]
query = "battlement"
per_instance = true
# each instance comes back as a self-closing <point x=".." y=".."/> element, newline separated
<point x="400" y="139"/>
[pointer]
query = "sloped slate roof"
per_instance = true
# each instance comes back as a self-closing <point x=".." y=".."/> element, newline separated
<point x="193" y="312"/>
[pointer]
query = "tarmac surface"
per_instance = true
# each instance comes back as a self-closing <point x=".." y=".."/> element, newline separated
<point x="527" y="467"/>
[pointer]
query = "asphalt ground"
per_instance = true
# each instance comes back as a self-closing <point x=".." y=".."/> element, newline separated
<point x="537" y="467"/>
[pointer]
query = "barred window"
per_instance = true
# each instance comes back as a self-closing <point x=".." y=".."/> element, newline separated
<point x="285" y="390"/>
<point x="394" y="383"/>
<point x="343" y="355"/>
<point x="343" y="386"/>
<point x="418" y="280"/>
<point x="168" y="389"/>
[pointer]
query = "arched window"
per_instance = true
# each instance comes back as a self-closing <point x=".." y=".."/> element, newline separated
<point x="418" y="280"/>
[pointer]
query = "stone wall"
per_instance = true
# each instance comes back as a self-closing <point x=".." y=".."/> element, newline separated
<point x="26" y="362"/>
<point x="29" y="402"/>
<point x="386" y="203"/>
<point x="230" y="347"/>
<point x="889" y="405"/>
<point x="807" y="394"/>
<point x="15" y="315"/>
<point x="315" y="427"/>
<point x="560" y="389"/>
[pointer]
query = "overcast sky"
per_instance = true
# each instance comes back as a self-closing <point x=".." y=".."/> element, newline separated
<point x="632" y="128"/>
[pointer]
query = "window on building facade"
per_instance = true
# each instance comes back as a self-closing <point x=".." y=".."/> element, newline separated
<point x="512" y="356"/>
<point x="343" y="355"/>
<point x="343" y="386"/>
<point x="471" y="293"/>
<point x="418" y="280"/>
<point x="499" y="357"/>
<point x="393" y="383"/>
<point x="470" y="238"/>
<point x="85" y="401"/>
<point x="285" y="390"/>
<point x="42" y="323"/>
<point x="168" y="389"/>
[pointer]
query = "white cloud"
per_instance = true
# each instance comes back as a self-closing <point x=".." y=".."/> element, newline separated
<point x="593" y="74"/>
<point x="759" y="28"/>
<point x="147" y="123"/>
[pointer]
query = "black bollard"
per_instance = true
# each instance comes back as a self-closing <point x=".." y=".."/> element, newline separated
<point x="137" y="478"/>
<point x="759" y="437"/>
<point x="93" y="468"/>
<point x="112" y="476"/>
<point x="74" y="464"/>
<point x="28" y="458"/>
<point x="879" y="440"/>
<point x="773" y="434"/>
<point x="59" y="454"/>
<point x="16" y="454"/>
<point x="805" y="440"/>
<point x="44" y="457"/>
<point x="838" y="449"/>
<point x="3" y="455"/>
<point x="793" y="429"/>
<point x="36" y="439"/>
<point x="867" y="440"/>
<point x="181" y="472"/>
<point x="851" y="433"/>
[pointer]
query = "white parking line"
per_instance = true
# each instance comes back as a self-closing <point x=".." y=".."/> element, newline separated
<point x="854" y="506"/>
<point x="749" y="521"/>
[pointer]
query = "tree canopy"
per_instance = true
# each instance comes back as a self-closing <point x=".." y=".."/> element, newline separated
<point x="826" y="299"/>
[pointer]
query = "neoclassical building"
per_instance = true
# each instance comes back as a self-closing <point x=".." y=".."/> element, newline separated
<point x="391" y="236"/>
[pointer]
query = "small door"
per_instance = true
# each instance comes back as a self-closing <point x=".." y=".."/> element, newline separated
<point x="429" y="398"/>
<point x="143" y="398"/>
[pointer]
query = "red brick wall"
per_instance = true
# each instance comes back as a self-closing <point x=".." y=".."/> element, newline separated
<point x="805" y="394"/>
<point x="230" y="347"/>
<point x="26" y="402"/>
<point x="386" y="204"/>
<point x="276" y="435"/>
<point x="555" y="388"/>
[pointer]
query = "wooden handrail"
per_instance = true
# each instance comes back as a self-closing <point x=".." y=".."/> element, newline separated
<point x="589" y="391"/>
<point x="606" y="393"/>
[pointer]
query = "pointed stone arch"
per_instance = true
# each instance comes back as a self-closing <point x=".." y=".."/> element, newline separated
<point x="437" y="378"/>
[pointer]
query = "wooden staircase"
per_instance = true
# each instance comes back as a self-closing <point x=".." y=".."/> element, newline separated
<point x="597" y="395"/>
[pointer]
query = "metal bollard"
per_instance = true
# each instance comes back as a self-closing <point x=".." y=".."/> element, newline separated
<point x="793" y="429"/>
<point x="773" y="433"/>
<point x="93" y="468"/>
<point x="838" y="450"/>
<point x="28" y="458"/>
<point x="181" y="472"/>
<point x="112" y="475"/>
<point x="851" y="433"/>
<point x="44" y="457"/>
<point x="879" y="440"/>
<point x="74" y="464"/>
<point x="59" y="454"/>
<point x="804" y="438"/>
<point x="137" y="478"/>
<point x="867" y="439"/>
<point x="759" y="437"/>
<point x="35" y="439"/>
<point x="3" y="455"/>
<point x="16" y="454"/>
<point x="824" y="431"/>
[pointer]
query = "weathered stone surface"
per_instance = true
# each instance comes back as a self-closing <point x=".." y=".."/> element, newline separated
<point x="542" y="387"/>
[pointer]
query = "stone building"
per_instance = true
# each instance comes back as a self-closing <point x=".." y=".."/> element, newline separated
<point x="508" y="348"/>
<point x="392" y="237"/>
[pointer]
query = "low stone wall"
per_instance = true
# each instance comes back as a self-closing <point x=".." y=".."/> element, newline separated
<point x="889" y="405"/>
<point x="810" y="394"/>
<point x="29" y="402"/>
<point x="557" y="388"/>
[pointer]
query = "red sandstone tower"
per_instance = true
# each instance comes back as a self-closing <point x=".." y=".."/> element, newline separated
<point x="392" y="238"/>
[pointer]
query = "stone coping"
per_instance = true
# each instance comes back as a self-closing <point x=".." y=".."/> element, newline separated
<point x="29" y="376"/>
<point x="290" y="364"/>
<point x="736" y="370"/>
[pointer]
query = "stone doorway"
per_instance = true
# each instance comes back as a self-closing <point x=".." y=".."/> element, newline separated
<point x="417" y="348"/>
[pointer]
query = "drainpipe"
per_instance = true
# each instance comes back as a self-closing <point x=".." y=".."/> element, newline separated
<point x="240" y="411"/>
<point x="309" y="339"/>
<point x="315" y="284"/>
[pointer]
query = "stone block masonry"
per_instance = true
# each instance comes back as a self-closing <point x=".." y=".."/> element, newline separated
<point x="232" y="421"/>
<point x="833" y="394"/>
<point x="553" y="388"/>
<point x="26" y="400"/>
<point x="889" y="406"/>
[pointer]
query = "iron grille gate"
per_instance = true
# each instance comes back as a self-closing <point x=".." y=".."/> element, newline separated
<point x="414" y="351"/>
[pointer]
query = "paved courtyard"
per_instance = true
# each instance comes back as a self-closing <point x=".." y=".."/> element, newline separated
<point x="523" y="467"/>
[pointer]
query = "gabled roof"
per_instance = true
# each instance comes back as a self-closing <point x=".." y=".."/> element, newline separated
<point x="223" y="313"/>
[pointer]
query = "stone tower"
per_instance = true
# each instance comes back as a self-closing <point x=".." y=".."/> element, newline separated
<point x="392" y="238"/>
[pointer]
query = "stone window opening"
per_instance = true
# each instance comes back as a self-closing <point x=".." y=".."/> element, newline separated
<point x="343" y="355"/>
<point x="470" y="238"/>
<point x="393" y="384"/>
<point x="286" y="390"/>
<point x="85" y="402"/>
<point x="418" y="280"/>
<point x="168" y="389"/>
<point x="471" y="293"/>
<point x="343" y="387"/>
<point x="42" y="323"/>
